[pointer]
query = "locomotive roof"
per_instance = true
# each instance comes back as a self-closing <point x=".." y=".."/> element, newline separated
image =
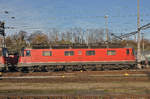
<point x="76" y="46"/>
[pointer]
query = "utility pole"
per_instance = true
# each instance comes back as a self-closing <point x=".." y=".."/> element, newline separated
<point x="143" y="46"/>
<point x="106" y="29"/>
<point x="139" y="37"/>
<point x="135" y="38"/>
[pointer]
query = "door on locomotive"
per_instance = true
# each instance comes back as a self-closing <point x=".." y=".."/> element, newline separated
<point x="3" y="57"/>
<point x="26" y="55"/>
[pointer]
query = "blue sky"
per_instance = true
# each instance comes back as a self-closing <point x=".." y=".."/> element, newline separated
<point x="64" y="14"/>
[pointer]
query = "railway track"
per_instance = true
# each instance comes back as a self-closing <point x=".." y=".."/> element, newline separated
<point x="73" y="76"/>
<point x="107" y="84"/>
<point x="80" y="76"/>
<point x="61" y="73"/>
<point x="79" y="97"/>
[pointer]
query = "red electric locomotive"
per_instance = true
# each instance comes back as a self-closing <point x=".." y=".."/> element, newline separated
<point x="76" y="59"/>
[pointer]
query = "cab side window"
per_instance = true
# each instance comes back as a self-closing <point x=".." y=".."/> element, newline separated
<point x="28" y="53"/>
<point x="127" y="51"/>
<point x="133" y="52"/>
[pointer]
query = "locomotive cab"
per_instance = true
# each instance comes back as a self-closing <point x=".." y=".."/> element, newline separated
<point x="3" y="57"/>
<point x="25" y="52"/>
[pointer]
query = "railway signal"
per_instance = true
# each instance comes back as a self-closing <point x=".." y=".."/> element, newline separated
<point x="2" y="32"/>
<point x="2" y="28"/>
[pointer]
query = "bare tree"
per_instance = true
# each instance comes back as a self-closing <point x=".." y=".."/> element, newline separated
<point x="54" y="35"/>
<point x="16" y="41"/>
<point x="94" y="35"/>
<point x="38" y="38"/>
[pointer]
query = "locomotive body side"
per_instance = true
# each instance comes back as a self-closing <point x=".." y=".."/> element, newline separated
<point x="50" y="57"/>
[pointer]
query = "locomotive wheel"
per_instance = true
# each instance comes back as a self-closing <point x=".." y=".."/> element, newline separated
<point x="12" y="69"/>
<point x="24" y="69"/>
<point x="68" y="68"/>
<point x="43" y="69"/>
<point x="36" y="69"/>
<point x="50" y="68"/>
<point x="6" y="69"/>
<point x="87" y="68"/>
<point x="1" y="69"/>
<point x="59" y="68"/>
